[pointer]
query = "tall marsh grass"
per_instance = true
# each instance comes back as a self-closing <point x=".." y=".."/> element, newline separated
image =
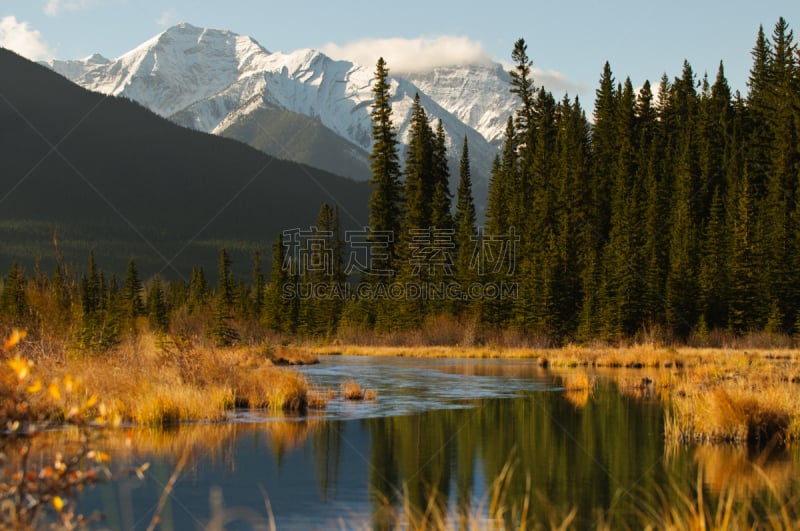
<point x="150" y="383"/>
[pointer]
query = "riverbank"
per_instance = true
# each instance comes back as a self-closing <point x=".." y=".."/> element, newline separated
<point x="711" y="395"/>
<point x="151" y="382"/>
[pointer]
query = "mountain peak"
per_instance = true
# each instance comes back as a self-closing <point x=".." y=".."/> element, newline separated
<point x="96" y="59"/>
<point x="185" y="34"/>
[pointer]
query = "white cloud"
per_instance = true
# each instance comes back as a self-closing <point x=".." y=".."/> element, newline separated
<point x="425" y="53"/>
<point x="167" y="18"/>
<point x="54" y="7"/>
<point x="557" y="82"/>
<point x="21" y="38"/>
<point x="407" y="55"/>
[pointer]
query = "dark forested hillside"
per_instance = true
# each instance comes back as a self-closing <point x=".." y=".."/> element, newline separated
<point x="112" y="176"/>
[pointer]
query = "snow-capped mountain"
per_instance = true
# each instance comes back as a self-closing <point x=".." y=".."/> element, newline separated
<point x="227" y="84"/>
<point x="74" y="69"/>
<point x="478" y="95"/>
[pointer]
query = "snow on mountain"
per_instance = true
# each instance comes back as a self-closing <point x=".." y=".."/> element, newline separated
<point x="73" y="69"/>
<point x="217" y="81"/>
<point x="176" y="68"/>
<point x="477" y="95"/>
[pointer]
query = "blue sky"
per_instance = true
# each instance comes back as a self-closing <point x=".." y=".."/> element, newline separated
<point x="568" y="42"/>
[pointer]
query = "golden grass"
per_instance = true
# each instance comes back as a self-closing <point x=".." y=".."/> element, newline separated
<point x="352" y="390"/>
<point x="271" y="388"/>
<point x="149" y="384"/>
<point x="289" y="355"/>
<point x="735" y="411"/>
<point x="318" y="398"/>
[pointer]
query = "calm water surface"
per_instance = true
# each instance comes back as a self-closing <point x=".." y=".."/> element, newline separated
<point x="441" y="431"/>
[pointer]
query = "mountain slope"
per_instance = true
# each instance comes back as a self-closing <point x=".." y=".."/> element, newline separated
<point x="478" y="95"/>
<point x="219" y="82"/>
<point x="126" y="182"/>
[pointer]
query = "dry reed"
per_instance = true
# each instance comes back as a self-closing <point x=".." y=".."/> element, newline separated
<point x="150" y="384"/>
<point x="352" y="390"/>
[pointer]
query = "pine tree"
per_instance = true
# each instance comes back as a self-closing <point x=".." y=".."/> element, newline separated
<point x="281" y="303"/>
<point x="226" y="286"/>
<point x="62" y="297"/>
<point x="781" y="180"/>
<point x="465" y="220"/>
<point x="713" y="277"/>
<point x="257" y="297"/>
<point x="384" y="211"/>
<point x="99" y="326"/>
<point x="746" y="310"/>
<point x="759" y="138"/>
<point x="222" y="331"/>
<point x="621" y="288"/>
<point x="13" y="302"/>
<point x="604" y="156"/>
<point x="90" y="293"/>
<point x="440" y="216"/>
<point x="157" y="307"/>
<point x="385" y="207"/>
<point x="132" y="294"/>
<point x="465" y="217"/>
<point x="522" y="86"/>
<point x="321" y="311"/>
<point x="604" y="149"/>
<point x="419" y="179"/>
<point x="569" y="211"/>
<point x="535" y="308"/>
<point x="502" y="210"/>
<point x="681" y="286"/>
<point x="199" y="290"/>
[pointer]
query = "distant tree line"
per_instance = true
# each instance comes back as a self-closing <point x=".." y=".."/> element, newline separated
<point x="675" y="209"/>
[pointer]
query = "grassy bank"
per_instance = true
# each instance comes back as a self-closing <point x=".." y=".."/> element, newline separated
<point x="711" y="395"/>
<point x="149" y="382"/>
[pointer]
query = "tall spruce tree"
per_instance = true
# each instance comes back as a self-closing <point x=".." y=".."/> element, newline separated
<point x="621" y="288"/>
<point x="781" y="180"/>
<point x="441" y="197"/>
<point x="604" y="155"/>
<point x="257" y="295"/>
<point x="503" y="199"/>
<point x="321" y="310"/>
<point x="157" y="311"/>
<point x="226" y="285"/>
<point x="222" y="330"/>
<point x="465" y="220"/>
<point x="281" y="303"/>
<point x="522" y="86"/>
<point x="385" y="207"/>
<point x="385" y="202"/>
<point x="419" y="179"/>
<point x="132" y="294"/>
<point x="199" y="290"/>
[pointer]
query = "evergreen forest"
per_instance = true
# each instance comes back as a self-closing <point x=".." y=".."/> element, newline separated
<point x="671" y="208"/>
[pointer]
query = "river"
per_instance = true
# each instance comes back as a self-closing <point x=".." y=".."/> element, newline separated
<point x="446" y="439"/>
